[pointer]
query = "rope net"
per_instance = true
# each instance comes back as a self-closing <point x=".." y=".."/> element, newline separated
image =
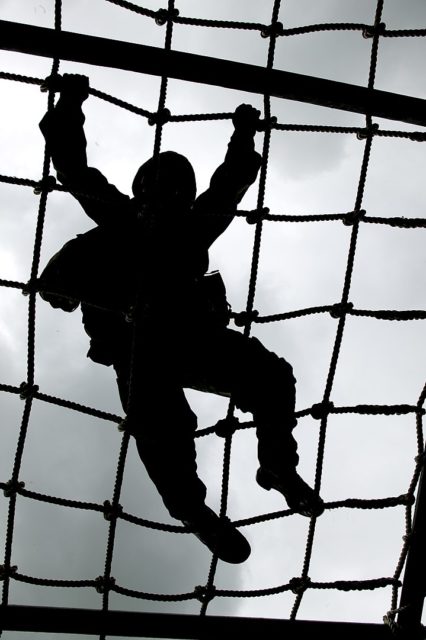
<point x="323" y="413"/>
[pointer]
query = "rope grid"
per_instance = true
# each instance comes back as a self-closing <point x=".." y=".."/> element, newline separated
<point x="29" y="392"/>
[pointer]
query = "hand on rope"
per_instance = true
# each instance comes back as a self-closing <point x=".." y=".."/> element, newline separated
<point x="246" y="119"/>
<point x="69" y="85"/>
<point x="74" y="86"/>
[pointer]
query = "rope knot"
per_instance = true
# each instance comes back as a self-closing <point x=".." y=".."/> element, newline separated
<point x="205" y="594"/>
<point x="163" y="15"/>
<point x="416" y="631"/>
<point x="299" y="585"/>
<point x="6" y="572"/>
<point x="123" y="425"/>
<point x="267" y="123"/>
<point x="255" y="216"/>
<point x="112" y="512"/>
<point x="389" y="621"/>
<point x="52" y="82"/>
<point x="31" y="285"/>
<point x="129" y="315"/>
<point x="13" y="487"/>
<point x="421" y="458"/>
<point x="45" y="184"/>
<point x="226" y="427"/>
<point x="275" y="29"/>
<point x="353" y="216"/>
<point x="408" y="498"/>
<point x="245" y="317"/>
<point x="321" y="410"/>
<point x="159" y="117"/>
<point x="27" y="390"/>
<point x="367" y="132"/>
<point x="104" y="584"/>
<point x="370" y="30"/>
<point x="340" y="309"/>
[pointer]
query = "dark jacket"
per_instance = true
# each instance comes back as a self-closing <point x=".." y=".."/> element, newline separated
<point x="128" y="261"/>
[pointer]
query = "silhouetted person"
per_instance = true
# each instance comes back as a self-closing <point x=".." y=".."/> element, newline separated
<point x="154" y="315"/>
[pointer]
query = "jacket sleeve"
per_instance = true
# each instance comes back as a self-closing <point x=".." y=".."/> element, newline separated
<point x="63" y="131"/>
<point x="215" y="209"/>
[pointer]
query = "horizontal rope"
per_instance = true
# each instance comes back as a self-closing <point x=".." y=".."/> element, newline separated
<point x="143" y="595"/>
<point x="348" y="503"/>
<point x="68" y="404"/>
<point x="361" y="132"/>
<point x="294" y="585"/>
<point x="334" y="311"/>
<point x="396" y="221"/>
<point x="340" y="585"/>
<point x="91" y="506"/>
<point x="161" y="16"/>
<point x="49" y="582"/>
<point x="363" y="409"/>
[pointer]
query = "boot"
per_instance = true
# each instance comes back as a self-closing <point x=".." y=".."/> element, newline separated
<point x="298" y="495"/>
<point x="220" y="536"/>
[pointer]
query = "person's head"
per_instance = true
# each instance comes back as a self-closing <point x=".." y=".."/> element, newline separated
<point x="165" y="182"/>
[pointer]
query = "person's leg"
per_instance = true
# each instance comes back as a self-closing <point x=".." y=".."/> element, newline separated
<point x="163" y="424"/>
<point x="262" y="383"/>
<point x="229" y="363"/>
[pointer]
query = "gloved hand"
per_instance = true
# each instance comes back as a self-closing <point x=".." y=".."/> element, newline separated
<point x="246" y="118"/>
<point x="74" y="86"/>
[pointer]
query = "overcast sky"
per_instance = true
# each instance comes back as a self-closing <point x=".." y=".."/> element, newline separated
<point x="71" y="455"/>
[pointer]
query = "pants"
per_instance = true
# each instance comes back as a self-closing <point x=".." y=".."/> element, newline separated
<point x="224" y="362"/>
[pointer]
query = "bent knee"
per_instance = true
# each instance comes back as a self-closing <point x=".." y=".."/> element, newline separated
<point x="269" y="365"/>
<point x="267" y="383"/>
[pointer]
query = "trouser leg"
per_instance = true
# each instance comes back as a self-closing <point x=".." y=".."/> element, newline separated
<point x="271" y="397"/>
<point x="163" y="424"/>
<point x="260" y="382"/>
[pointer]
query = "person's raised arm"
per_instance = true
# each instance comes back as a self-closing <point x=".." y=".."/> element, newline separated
<point x="63" y="129"/>
<point x="214" y="209"/>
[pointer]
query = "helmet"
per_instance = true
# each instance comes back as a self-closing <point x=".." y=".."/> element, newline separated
<point x="168" y="176"/>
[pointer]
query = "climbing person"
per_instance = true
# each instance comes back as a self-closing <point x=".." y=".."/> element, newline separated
<point x="157" y="316"/>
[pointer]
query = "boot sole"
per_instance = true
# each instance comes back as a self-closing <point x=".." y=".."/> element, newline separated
<point x="265" y="480"/>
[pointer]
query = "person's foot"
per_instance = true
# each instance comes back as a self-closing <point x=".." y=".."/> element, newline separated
<point x="298" y="495"/>
<point x="220" y="536"/>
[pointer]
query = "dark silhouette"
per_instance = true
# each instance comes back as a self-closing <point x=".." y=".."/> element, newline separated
<point x="141" y="278"/>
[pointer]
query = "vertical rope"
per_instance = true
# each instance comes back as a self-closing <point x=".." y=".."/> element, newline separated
<point x="263" y="174"/>
<point x="107" y="579"/>
<point x="164" y="80"/>
<point x="251" y="292"/>
<point x="159" y="121"/>
<point x="344" y="301"/>
<point x="135" y="350"/>
<point x="29" y="385"/>
<point x="420" y="462"/>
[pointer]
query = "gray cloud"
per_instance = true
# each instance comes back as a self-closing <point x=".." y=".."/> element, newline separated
<point x="71" y="455"/>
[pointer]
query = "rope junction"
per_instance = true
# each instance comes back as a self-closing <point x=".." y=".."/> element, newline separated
<point x="29" y="392"/>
